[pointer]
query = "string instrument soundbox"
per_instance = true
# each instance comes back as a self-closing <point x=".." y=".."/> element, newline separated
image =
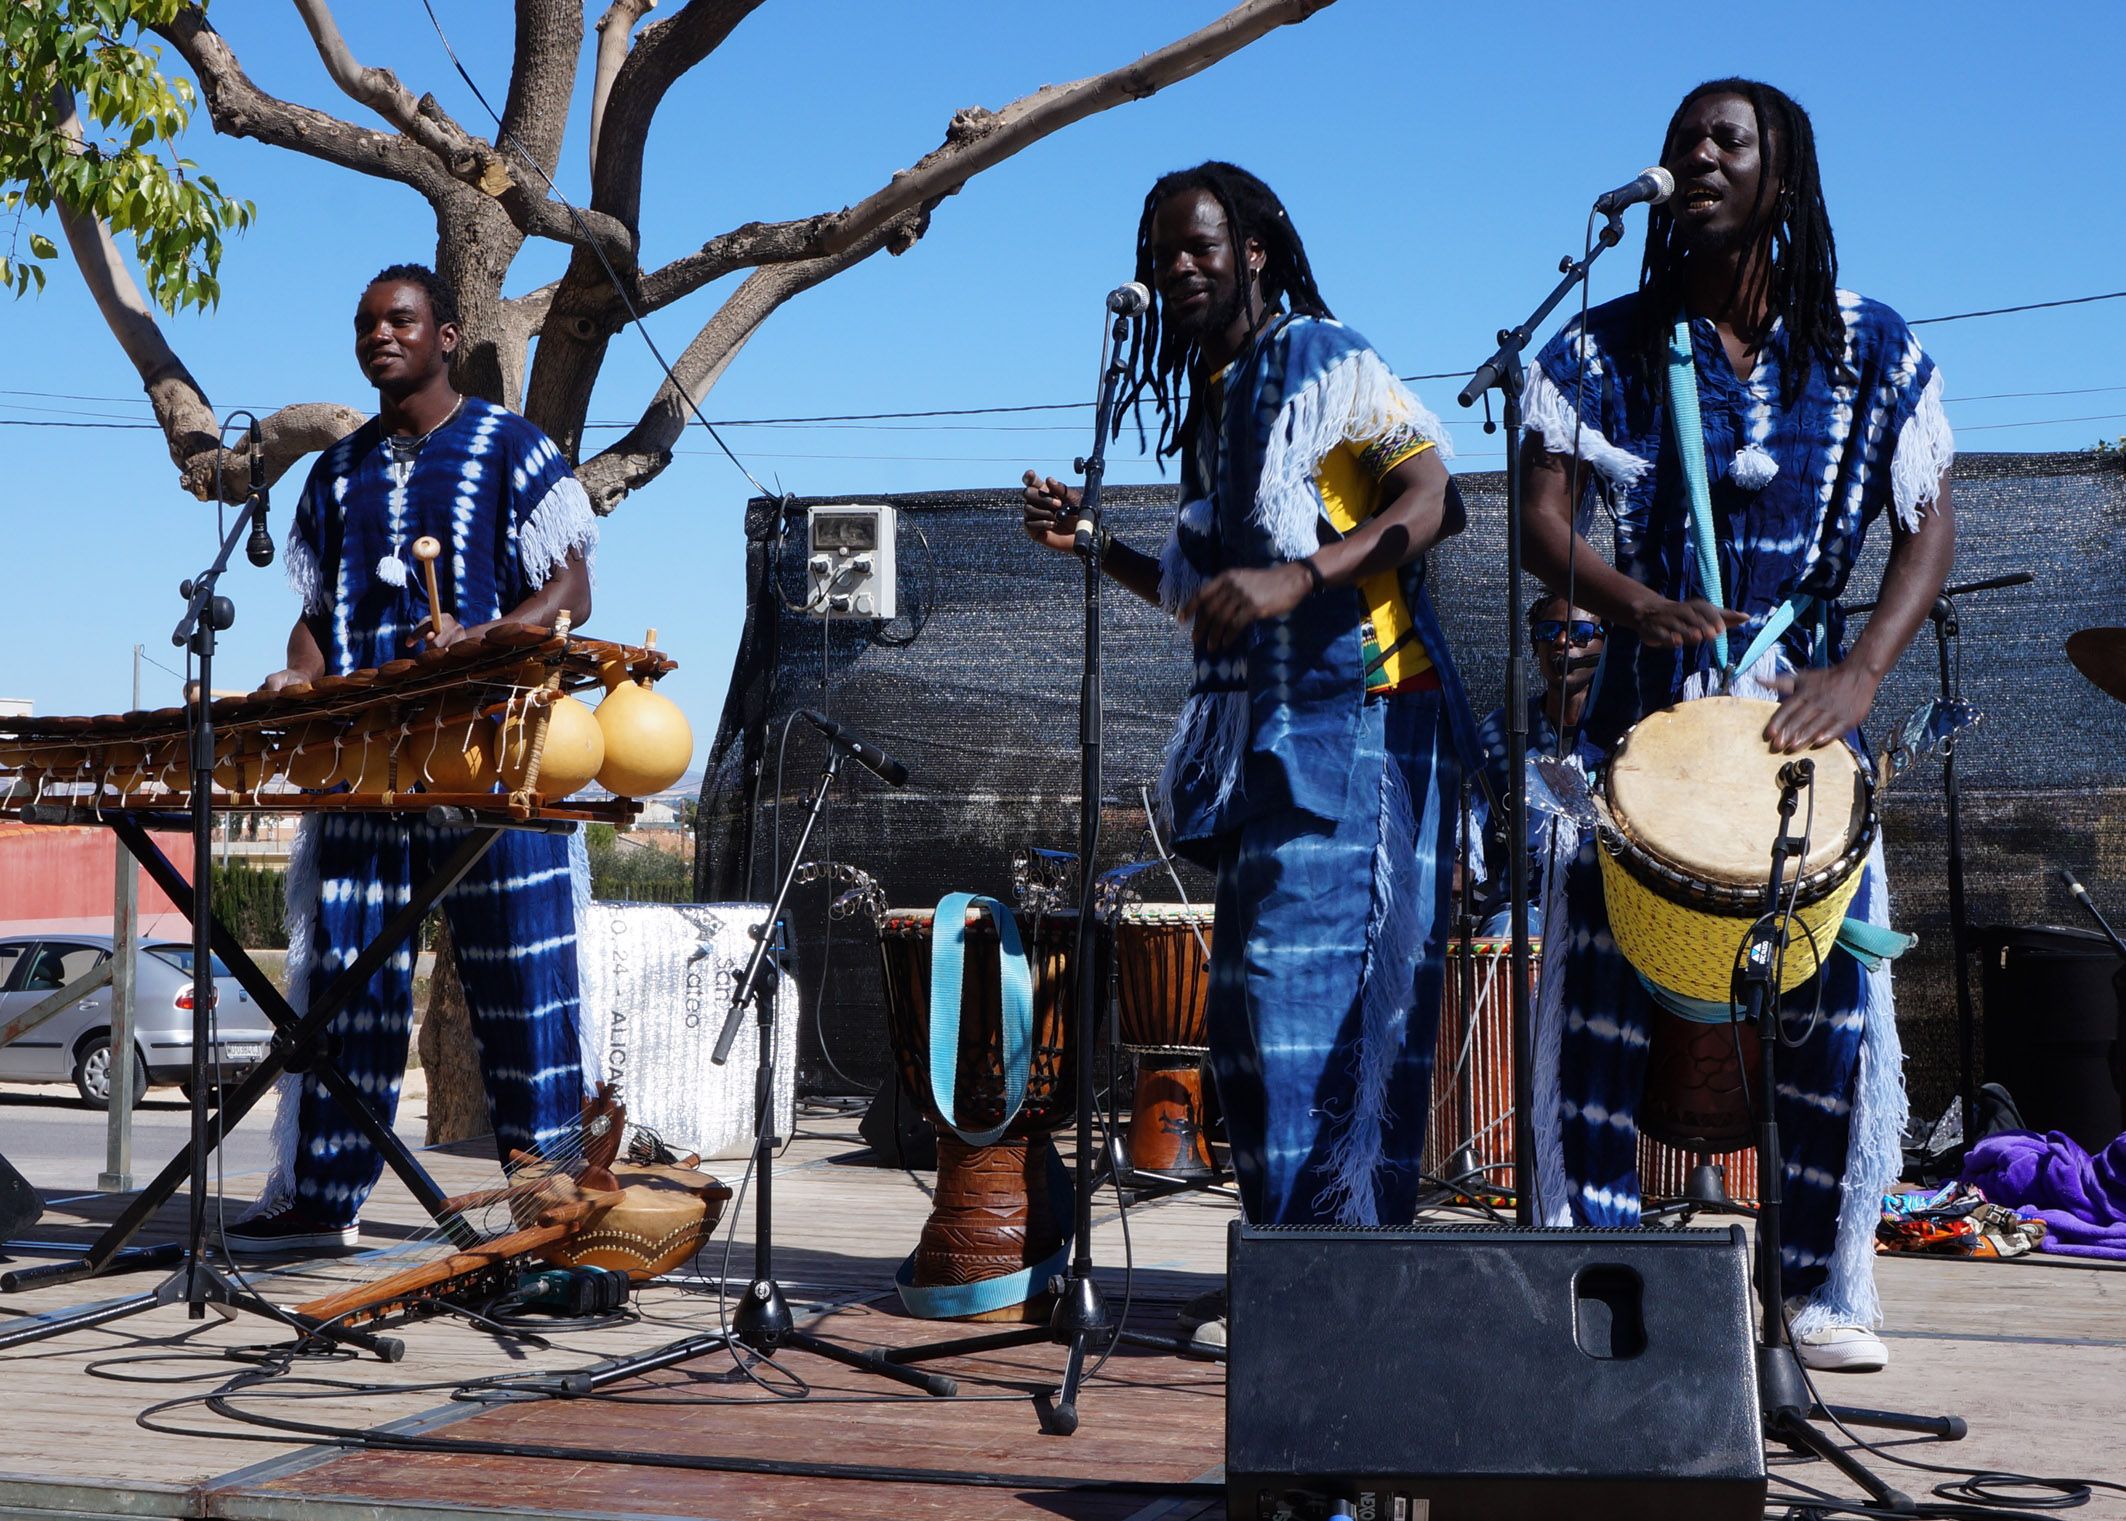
<point x="639" y="1216"/>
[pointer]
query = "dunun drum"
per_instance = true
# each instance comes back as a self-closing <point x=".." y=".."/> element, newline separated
<point x="1472" y="1083"/>
<point x="1691" y="804"/>
<point x="991" y="1214"/>
<point x="1162" y="996"/>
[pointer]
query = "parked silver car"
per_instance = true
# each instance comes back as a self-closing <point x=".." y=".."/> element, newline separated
<point x="76" y="1042"/>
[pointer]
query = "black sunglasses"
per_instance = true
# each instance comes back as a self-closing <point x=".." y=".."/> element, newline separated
<point x="1584" y="632"/>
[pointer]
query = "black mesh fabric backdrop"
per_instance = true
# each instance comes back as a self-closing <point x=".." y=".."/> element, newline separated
<point x="975" y="687"/>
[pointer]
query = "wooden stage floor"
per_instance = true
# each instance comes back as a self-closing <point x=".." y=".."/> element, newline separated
<point x="2032" y="1355"/>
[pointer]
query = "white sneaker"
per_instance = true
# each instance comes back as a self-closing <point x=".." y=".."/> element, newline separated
<point x="1841" y="1349"/>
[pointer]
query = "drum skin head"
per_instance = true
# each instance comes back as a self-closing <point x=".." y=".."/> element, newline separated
<point x="1698" y="787"/>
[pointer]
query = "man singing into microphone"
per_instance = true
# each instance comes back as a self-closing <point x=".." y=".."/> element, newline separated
<point x="519" y="535"/>
<point x="1819" y="413"/>
<point x="1325" y="723"/>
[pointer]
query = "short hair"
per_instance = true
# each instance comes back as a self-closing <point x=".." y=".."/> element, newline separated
<point x="1160" y="363"/>
<point x="442" y="300"/>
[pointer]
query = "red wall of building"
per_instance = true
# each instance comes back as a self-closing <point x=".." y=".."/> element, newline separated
<point x="63" y="879"/>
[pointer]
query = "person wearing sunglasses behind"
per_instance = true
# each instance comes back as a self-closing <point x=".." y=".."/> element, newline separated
<point x="1567" y="642"/>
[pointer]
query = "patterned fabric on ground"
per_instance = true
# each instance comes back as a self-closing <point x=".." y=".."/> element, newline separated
<point x="2081" y="1198"/>
<point x="1326" y="980"/>
<point x="513" y="923"/>
<point x="1794" y="491"/>
<point x="1955" y="1220"/>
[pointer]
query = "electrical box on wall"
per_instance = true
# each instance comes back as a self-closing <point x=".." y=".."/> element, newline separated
<point x="849" y="562"/>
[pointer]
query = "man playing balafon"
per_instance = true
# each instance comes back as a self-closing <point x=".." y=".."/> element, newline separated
<point x="1325" y="724"/>
<point x="1820" y="413"/>
<point x="518" y="536"/>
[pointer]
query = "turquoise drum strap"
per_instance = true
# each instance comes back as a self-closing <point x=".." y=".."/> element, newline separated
<point x="1690" y="448"/>
<point x="948" y="958"/>
<point x="957" y="1301"/>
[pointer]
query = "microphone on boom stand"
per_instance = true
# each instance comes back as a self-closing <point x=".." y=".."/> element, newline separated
<point x="1125" y="302"/>
<point x="1653" y="186"/>
<point x="259" y="547"/>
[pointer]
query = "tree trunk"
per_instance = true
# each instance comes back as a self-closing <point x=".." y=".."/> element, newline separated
<point x="457" y="1095"/>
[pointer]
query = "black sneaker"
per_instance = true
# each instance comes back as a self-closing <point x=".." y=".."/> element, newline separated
<point x="287" y="1229"/>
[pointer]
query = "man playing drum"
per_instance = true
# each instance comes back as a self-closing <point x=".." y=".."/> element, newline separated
<point x="1817" y="410"/>
<point x="1317" y="756"/>
<point x="520" y="537"/>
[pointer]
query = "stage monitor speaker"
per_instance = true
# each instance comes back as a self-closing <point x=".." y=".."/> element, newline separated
<point x="2055" y="1028"/>
<point x="1435" y="1373"/>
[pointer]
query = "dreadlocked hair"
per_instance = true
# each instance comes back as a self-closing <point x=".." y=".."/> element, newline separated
<point x="1798" y="275"/>
<point x="1161" y="362"/>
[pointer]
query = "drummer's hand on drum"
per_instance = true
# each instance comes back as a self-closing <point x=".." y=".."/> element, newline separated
<point x="1051" y="511"/>
<point x="440" y="631"/>
<point x="1671" y="625"/>
<point x="1819" y="706"/>
<point x="286" y="677"/>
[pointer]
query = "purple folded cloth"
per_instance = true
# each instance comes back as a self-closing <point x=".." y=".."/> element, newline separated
<point x="2081" y="1197"/>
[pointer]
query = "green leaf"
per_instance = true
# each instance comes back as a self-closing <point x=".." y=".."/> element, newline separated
<point x="43" y="247"/>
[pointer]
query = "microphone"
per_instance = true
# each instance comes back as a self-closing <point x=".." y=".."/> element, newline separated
<point x="861" y="751"/>
<point x="1798" y="774"/>
<point x="2081" y="896"/>
<point x="260" y="545"/>
<point x="1653" y="186"/>
<point x="1128" y="300"/>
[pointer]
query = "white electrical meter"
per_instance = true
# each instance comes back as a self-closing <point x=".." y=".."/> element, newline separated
<point x="849" y="562"/>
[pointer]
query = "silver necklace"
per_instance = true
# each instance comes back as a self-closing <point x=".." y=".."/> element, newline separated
<point x="403" y="451"/>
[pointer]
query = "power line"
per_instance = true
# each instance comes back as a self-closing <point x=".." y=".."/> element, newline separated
<point x="2029" y="306"/>
<point x="1080" y="406"/>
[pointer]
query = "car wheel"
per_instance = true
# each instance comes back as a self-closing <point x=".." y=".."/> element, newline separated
<point x="92" y="1074"/>
<point x="192" y="1094"/>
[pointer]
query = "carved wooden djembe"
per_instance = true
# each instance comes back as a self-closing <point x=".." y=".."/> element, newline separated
<point x="1162" y="995"/>
<point x="993" y="1213"/>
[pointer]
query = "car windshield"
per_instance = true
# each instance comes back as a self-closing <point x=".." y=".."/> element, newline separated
<point x="180" y="956"/>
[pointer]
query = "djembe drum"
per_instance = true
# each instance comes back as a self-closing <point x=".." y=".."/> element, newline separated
<point x="1162" y="993"/>
<point x="993" y="1214"/>
<point x="1691" y="798"/>
<point x="1472" y="1083"/>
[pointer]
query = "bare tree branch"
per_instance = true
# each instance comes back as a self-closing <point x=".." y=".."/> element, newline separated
<point x="643" y="453"/>
<point x="614" y="29"/>
<point x="468" y="159"/>
<point x="977" y="139"/>
<point x="542" y="79"/>
<point x="239" y="108"/>
<point x="661" y="55"/>
<point x="180" y="405"/>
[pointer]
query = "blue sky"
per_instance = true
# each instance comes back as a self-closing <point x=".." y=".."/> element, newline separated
<point x="1438" y="160"/>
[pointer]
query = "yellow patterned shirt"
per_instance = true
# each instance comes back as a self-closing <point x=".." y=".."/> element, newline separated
<point x="1350" y="477"/>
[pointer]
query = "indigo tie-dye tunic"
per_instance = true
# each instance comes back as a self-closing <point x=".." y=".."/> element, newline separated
<point x="1794" y="490"/>
<point x="1319" y="804"/>
<point x="500" y="497"/>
